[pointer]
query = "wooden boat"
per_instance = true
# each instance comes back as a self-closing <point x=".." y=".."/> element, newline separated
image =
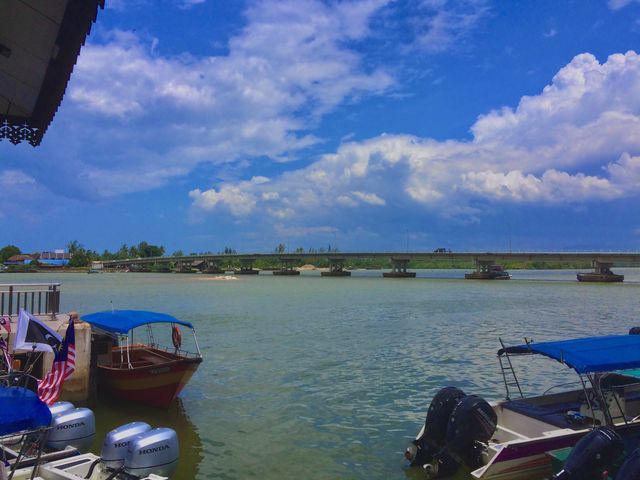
<point x="609" y="277"/>
<point x="513" y="439"/>
<point x="490" y="272"/>
<point x="141" y="372"/>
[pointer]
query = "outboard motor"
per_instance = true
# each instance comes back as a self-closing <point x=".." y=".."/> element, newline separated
<point x="634" y="331"/>
<point x="60" y="407"/>
<point x="116" y="443"/>
<point x="592" y="456"/>
<point x="630" y="469"/>
<point x="155" y="451"/>
<point x="472" y="424"/>
<point x="434" y="431"/>
<point x="75" y="427"/>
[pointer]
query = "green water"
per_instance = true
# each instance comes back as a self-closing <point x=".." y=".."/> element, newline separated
<point x="323" y="378"/>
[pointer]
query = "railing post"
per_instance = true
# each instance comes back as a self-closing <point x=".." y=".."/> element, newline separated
<point x="55" y="301"/>
<point x="10" y="300"/>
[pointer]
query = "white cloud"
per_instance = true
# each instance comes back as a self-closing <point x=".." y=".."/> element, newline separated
<point x="238" y="201"/>
<point x="293" y="62"/>
<point x="441" y="24"/>
<point x="576" y="141"/>
<point x="370" y="198"/>
<point x="618" y="4"/>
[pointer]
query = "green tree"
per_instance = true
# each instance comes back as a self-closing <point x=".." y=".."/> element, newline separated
<point x="147" y="250"/>
<point x="8" y="252"/>
<point x="80" y="259"/>
<point x="178" y="253"/>
<point x="73" y="246"/>
<point x="281" y="248"/>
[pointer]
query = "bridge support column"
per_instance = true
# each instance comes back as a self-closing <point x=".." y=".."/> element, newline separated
<point x="246" y="267"/>
<point x="212" y="266"/>
<point x="487" y="270"/>
<point x="183" y="267"/>
<point x="288" y="267"/>
<point x="399" y="268"/>
<point x="601" y="273"/>
<point x="336" y="268"/>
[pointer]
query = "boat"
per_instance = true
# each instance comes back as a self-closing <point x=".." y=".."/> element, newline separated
<point x="50" y="443"/>
<point x="148" y="372"/>
<point x="489" y="272"/>
<point x="602" y="273"/>
<point x="514" y="438"/>
<point x="600" y="277"/>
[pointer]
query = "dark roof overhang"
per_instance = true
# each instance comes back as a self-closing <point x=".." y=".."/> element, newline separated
<point x="39" y="45"/>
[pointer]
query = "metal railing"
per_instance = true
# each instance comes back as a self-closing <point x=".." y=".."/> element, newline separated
<point x="37" y="298"/>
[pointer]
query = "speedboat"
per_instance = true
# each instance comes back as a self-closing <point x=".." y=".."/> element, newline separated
<point x="513" y="439"/>
<point x="148" y="372"/>
<point x="47" y="443"/>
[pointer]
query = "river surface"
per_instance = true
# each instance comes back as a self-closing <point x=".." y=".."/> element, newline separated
<point x="330" y="378"/>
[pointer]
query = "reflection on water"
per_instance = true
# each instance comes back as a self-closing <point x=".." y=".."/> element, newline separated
<point x="325" y="378"/>
<point x="111" y="414"/>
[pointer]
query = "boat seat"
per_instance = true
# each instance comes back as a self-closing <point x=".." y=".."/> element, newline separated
<point x="555" y="414"/>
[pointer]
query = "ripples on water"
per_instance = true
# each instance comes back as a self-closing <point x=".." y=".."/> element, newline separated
<point x="317" y="378"/>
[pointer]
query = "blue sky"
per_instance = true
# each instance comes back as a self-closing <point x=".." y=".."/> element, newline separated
<point x="475" y="124"/>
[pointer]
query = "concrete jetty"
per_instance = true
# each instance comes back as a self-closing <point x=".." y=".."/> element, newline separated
<point x="42" y="300"/>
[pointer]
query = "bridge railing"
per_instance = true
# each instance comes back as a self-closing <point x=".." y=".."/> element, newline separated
<point x="37" y="298"/>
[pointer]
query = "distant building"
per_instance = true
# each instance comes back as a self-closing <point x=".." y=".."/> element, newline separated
<point x="57" y="257"/>
<point x="19" y="260"/>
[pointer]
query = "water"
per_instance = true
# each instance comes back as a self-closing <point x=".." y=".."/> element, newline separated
<point x="317" y="378"/>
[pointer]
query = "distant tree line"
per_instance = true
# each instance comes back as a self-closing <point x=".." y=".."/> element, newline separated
<point x="82" y="257"/>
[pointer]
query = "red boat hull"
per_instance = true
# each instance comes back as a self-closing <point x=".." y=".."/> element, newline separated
<point x="157" y="384"/>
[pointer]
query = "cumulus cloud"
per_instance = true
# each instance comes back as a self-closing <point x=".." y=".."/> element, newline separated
<point x="152" y="118"/>
<point x="576" y="141"/>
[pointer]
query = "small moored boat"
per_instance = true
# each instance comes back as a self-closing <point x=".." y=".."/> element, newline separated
<point x="141" y="372"/>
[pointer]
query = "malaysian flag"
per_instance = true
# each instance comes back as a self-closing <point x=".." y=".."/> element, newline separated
<point x="64" y="364"/>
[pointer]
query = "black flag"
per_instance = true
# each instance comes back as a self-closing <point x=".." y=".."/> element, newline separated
<point x="33" y="333"/>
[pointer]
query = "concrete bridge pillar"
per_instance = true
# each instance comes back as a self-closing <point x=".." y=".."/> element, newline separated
<point x="246" y="266"/>
<point x="487" y="270"/>
<point x="288" y="266"/>
<point x="213" y="266"/>
<point x="399" y="268"/>
<point x="183" y="267"/>
<point x="601" y="273"/>
<point x="336" y="268"/>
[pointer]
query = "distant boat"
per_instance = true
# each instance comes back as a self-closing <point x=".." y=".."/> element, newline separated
<point x="141" y="372"/>
<point x="600" y="277"/>
<point x="94" y="270"/>
<point x="492" y="272"/>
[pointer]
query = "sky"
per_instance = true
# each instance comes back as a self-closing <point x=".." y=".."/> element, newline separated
<point x="361" y="124"/>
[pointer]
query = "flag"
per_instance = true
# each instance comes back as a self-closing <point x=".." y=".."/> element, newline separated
<point x="6" y="323"/>
<point x="6" y="358"/>
<point x="64" y="364"/>
<point x="33" y="335"/>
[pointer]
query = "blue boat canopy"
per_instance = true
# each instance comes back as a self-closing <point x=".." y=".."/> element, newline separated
<point x="588" y="355"/>
<point x="122" y="321"/>
<point x="22" y="410"/>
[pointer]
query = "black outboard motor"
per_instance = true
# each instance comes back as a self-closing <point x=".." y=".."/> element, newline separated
<point x="435" y="428"/>
<point x="630" y="469"/>
<point x="472" y="424"/>
<point x="592" y="456"/>
<point x="634" y="331"/>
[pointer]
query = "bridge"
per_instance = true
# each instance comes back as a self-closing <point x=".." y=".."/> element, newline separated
<point x="601" y="262"/>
